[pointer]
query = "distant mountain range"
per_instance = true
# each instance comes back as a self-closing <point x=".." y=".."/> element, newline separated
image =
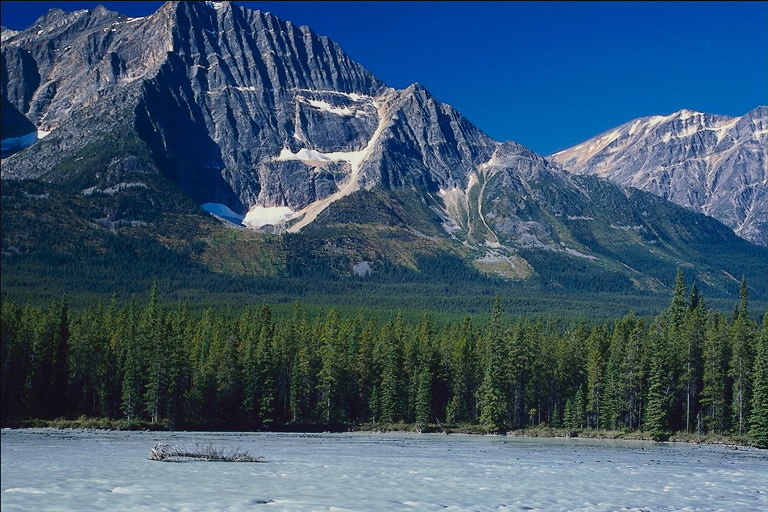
<point x="717" y="165"/>
<point x="138" y="126"/>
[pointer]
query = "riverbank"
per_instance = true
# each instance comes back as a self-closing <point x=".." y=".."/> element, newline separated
<point x="84" y="423"/>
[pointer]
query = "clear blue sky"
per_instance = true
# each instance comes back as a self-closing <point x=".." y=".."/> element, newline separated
<point x="545" y="74"/>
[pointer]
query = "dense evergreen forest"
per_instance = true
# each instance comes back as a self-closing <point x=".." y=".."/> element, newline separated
<point x="689" y="368"/>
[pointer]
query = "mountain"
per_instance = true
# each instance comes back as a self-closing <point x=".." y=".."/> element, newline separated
<point x="119" y="134"/>
<point x="715" y="164"/>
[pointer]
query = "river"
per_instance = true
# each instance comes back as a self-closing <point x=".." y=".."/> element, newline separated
<point x="66" y="470"/>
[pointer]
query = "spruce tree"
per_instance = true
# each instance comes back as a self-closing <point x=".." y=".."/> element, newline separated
<point x="596" y="350"/>
<point x="715" y="374"/>
<point x="657" y="411"/>
<point x="423" y="398"/>
<point x="741" y="335"/>
<point x="758" y="432"/>
<point x="493" y="401"/>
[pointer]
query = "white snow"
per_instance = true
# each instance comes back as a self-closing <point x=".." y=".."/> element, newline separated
<point x="24" y="141"/>
<point x="223" y="211"/>
<point x="18" y="142"/>
<point x="259" y="216"/>
<point x="607" y="139"/>
<point x="313" y="157"/>
<point x="327" y="107"/>
<point x="351" y="95"/>
<point x="654" y="120"/>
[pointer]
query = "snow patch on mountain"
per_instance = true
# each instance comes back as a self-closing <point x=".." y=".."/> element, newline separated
<point x="260" y="216"/>
<point x="223" y="211"/>
<point x="22" y="142"/>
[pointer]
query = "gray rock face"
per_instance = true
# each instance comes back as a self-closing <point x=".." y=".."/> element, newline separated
<point x="237" y="106"/>
<point x="217" y="92"/>
<point x="717" y="165"/>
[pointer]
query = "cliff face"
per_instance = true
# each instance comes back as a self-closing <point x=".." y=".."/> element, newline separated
<point x="717" y="165"/>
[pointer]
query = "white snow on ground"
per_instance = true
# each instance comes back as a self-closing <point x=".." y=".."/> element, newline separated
<point x="432" y="472"/>
<point x="327" y="107"/>
<point x="351" y="95"/>
<point x="22" y="142"/>
<point x="259" y="216"/>
<point x="223" y="211"/>
<point x="308" y="156"/>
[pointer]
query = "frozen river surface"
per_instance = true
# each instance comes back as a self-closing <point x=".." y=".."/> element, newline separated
<point x="53" y="470"/>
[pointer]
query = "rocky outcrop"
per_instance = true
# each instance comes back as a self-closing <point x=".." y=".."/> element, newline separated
<point x="717" y="165"/>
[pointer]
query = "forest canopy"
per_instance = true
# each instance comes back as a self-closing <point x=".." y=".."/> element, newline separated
<point x="689" y="368"/>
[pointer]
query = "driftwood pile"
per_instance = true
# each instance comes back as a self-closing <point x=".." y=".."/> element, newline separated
<point x="167" y="453"/>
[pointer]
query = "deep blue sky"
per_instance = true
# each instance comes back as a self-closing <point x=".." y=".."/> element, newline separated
<point x="545" y="74"/>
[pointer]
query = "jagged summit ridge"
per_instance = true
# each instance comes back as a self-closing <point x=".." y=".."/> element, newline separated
<point x="715" y="164"/>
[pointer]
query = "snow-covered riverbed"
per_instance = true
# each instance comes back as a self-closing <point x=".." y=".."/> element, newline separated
<point x="56" y="470"/>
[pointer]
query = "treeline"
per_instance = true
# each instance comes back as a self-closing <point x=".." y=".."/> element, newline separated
<point x="688" y="369"/>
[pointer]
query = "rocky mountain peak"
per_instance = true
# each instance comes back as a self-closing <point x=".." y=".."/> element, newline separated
<point x="715" y="164"/>
<point x="7" y="33"/>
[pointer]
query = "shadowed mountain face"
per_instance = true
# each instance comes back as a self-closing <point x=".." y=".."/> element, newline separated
<point x="717" y="165"/>
<point x="276" y="127"/>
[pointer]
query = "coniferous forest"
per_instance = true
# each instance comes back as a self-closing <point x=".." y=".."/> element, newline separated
<point x="689" y="369"/>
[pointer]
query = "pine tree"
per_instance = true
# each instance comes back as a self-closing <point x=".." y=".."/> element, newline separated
<point x="132" y="385"/>
<point x="153" y="339"/>
<point x="423" y="398"/>
<point x="634" y="374"/>
<point x="657" y="411"/>
<point x="758" y="432"/>
<point x="16" y="338"/>
<point x="715" y="374"/>
<point x="741" y="336"/>
<point x="596" y="350"/>
<point x="693" y="336"/>
<point x="391" y="388"/>
<point x="330" y="361"/>
<point x="493" y="401"/>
